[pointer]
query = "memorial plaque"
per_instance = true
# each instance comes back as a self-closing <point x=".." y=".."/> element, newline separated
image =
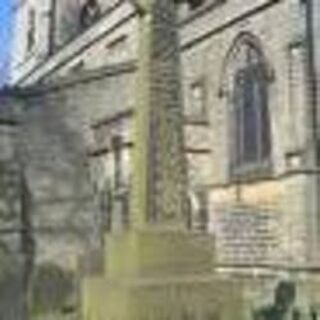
<point x="246" y="235"/>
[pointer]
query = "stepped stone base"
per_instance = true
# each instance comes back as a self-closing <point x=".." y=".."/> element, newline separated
<point x="160" y="275"/>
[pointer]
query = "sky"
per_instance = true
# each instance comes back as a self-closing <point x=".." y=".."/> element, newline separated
<point x="5" y="37"/>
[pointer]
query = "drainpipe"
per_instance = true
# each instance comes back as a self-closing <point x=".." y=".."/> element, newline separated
<point x="313" y="121"/>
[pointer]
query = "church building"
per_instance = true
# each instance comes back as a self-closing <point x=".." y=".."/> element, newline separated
<point x="250" y="80"/>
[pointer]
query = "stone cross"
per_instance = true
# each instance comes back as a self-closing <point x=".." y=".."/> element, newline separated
<point x="159" y="183"/>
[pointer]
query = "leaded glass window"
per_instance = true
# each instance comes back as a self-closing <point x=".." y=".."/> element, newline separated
<point x="250" y="124"/>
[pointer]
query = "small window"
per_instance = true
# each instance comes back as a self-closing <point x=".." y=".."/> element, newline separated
<point x="120" y="206"/>
<point x="197" y="109"/>
<point x="194" y="4"/>
<point x="202" y="214"/>
<point x="31" y="29"/>
<point x="117" y="147"/>
<point x="89" y="13"/>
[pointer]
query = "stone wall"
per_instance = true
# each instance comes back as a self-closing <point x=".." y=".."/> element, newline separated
<point x="57" y="140"/>
<point x="15" y="247"/>
<point x="205" y="50"/>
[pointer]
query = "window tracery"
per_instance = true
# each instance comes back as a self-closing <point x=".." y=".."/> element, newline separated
<point x="247" y="90"/>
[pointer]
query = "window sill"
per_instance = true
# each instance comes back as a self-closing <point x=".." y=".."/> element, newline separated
<point x="200" y="120"/>
<point x="251" y="172"/>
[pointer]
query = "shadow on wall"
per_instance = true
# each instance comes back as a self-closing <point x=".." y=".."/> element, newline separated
<point x="56" y="168"/>
<point x="62" y="209"/>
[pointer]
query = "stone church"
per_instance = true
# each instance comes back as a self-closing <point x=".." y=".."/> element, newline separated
<point x="249" y="73"/>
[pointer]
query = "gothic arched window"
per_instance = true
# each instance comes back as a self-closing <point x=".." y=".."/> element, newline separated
<point x="248" y="98"/>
